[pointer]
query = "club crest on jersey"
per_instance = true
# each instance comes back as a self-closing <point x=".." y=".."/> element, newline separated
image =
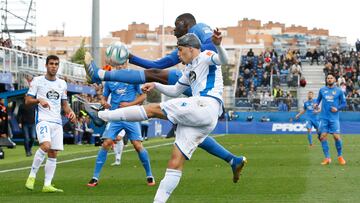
<point x="334" y="92"/>
<point x="192" y="76"/>
<point x="121" y="91"/>
<point x="52" y="95"/>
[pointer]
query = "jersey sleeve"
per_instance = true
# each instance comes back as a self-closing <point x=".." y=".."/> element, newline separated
<point x="209" y="57"/>
<point x="165" y="62"/>
<point x="138" y="89"/>
<point x="106" y="91"/>
<point x="184" y="79"/>
<point x="33" y="88"/>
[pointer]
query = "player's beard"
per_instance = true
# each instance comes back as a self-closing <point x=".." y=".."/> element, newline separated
<point x="331" y="84"/>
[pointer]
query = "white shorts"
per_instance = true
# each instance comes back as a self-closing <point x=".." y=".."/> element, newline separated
<point x="50" y="132"/>
<point x="196" y="118"/>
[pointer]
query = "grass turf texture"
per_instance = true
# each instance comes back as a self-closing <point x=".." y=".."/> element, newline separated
<point x="281" y="168"/>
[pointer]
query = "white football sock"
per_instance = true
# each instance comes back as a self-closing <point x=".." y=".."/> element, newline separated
<point x="118" y="150"/>
<point x="167" y="185"/>
<point x="38" y="159"/>
<point x="131" y="113"/>
<point x="50" y="167"/>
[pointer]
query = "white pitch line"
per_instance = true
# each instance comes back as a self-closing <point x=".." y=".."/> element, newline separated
<point x="89" y="157"/>
<point x="81" y="158"/>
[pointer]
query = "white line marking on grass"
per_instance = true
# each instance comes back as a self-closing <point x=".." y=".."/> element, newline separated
<point x="93" y="156"/>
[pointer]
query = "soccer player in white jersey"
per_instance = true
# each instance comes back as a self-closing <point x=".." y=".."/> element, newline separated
<point x="48" y="93"/>
<point x="195" y="116"/>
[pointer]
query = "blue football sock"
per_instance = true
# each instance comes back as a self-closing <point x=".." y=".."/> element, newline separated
<point x="309" y="137"/>
<point x="144" y="158"/>
<point x="211" y="146"/>
<point x="338" y="145"/>
<point x="325" y="147"/>
<point x="100" y="160"/>
<point x="125" y="75"/>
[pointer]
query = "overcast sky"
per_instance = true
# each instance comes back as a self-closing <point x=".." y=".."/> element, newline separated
<point x="341" y="18"/>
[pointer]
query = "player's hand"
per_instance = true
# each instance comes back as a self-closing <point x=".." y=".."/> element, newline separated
<point x="147" y="87"/>
<point x="106" y="105"/>
<point x="71" y="116"/>
<point x="124" y="104"/>
<point x="216" y="37"/>
<point x="44" y="103"/>
<point x="334" y="109"/>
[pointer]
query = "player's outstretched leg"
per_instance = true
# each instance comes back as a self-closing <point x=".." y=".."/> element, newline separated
<point x="92" y="71"/>
<point x="95" y="75"/>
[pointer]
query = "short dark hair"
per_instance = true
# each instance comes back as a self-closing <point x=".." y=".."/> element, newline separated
<point x="189" y="40"/>
<point x="188" y="18"/>
<point x="51" y="57"/>
<point x="332" y="74"/>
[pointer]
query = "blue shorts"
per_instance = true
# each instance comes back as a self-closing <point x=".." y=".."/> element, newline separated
<point x="132" y="130"/>
<point x="311" y="123"/>
<point x="173" y="77"/>
<point x="329" y="126"/>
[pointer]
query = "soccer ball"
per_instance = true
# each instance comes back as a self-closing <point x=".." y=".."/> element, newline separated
<point x="116" y="54"/>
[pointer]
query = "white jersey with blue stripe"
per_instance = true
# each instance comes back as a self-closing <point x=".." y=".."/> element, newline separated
<point x="52" y="91"/>
<point x="204" y="76"/>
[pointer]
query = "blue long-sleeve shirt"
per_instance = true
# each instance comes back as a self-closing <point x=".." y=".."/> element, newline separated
<point x="331" y="97"/>
<point x="201" y="30"/>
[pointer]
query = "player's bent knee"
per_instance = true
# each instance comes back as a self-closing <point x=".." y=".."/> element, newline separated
<point x="153" y="110"/>
<point x="45" y="146"/>
<point x="52" y="153"/>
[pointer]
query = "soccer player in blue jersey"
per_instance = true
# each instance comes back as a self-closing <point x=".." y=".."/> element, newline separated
<point x="122" y="95"/>
<point x="332" y="100"/>
<point x="185" y="23"/>
<point x="311" y="118"/>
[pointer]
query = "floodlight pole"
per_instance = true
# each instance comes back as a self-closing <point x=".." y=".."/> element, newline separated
<point x="95" y="31"/>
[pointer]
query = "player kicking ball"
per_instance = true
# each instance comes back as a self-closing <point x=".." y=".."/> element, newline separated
<point x="195" y="116"/>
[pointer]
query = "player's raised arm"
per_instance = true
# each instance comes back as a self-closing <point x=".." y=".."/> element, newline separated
<point x="221" y="57"/>
<point x="168" y="90"/>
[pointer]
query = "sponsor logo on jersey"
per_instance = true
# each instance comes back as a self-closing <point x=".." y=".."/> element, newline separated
<point x="192" y="76"/>
<point x="52" y="95"/>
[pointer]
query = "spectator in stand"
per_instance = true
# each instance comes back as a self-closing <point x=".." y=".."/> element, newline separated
<point x="284" y="72"/>
<point x="26" y="117"/>
<point x="341" y="80"/>
<point x="265" y="80"/>
<point x="315" y="57"/>
<point x="308" y="55"/>
<point x="296" y="69"/>
<point x="357" y="45"/>
<point x="289" y="101"/>
<point x="250" y="53"/>
<point x="240" y="90"/>
<point x="79" y="129"/>
<point x="3" y="119"/>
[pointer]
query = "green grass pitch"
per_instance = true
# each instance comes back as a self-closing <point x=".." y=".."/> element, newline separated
<point x="281" y="168"/>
